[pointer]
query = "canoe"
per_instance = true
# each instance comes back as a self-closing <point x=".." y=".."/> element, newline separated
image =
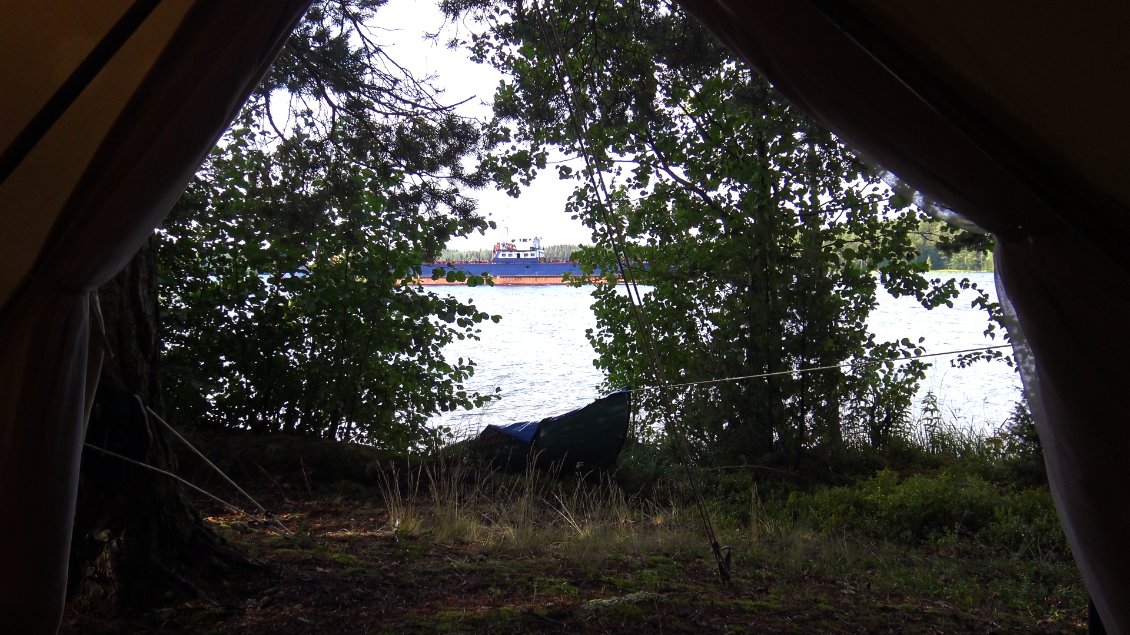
<point x="581" y="440"/>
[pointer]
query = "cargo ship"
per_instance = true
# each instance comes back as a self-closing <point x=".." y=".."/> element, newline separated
<point x="515" y="262"/>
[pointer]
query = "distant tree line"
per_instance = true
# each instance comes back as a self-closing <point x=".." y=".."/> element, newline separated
<point x="941" y="246"/>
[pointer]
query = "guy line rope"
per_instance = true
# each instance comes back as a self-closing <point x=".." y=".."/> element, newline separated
<point x="813" y="369"/>
<point x="148" y="412"/>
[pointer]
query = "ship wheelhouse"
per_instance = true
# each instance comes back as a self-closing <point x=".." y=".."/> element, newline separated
<point x="518" y="251"/>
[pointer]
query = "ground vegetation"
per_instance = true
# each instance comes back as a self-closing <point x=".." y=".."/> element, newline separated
<point x="941" y="540"/>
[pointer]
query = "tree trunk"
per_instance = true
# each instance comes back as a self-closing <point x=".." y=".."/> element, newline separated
<point x="136" y="540"/>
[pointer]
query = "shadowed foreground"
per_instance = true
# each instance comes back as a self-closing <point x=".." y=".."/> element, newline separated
<point x="452" y="549"/>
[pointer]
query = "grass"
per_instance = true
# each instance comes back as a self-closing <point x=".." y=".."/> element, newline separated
<point x="448" y="546"/>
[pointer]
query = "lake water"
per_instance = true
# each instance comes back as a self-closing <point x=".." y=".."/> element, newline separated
<point x="539" y="357"/>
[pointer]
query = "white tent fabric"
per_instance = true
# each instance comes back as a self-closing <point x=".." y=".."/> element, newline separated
<point x="1015" y="116"/>
<point x="109" y="108"/>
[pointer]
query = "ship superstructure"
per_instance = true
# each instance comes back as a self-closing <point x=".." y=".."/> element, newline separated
<point x="519" y="250"/>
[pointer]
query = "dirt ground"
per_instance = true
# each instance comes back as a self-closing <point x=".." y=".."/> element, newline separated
<point x="344" y="571"/>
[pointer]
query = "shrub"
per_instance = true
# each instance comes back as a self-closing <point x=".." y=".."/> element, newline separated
<point x="1028" y="525"/>
<point x="1023" y="453"/>
<point x="926" y="508"/>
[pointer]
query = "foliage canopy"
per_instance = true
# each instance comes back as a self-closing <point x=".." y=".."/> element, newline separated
<point x="283" y="266"/>
<point x="765" y="238"/>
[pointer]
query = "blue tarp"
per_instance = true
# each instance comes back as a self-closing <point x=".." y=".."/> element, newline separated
<point x="523" y="431"/>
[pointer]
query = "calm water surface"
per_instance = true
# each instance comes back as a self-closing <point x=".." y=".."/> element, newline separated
<point x="539" y="357"/>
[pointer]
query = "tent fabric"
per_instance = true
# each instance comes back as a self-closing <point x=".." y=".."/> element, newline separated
<point x="1009" y="116"/>
<point x="76" y="206"/>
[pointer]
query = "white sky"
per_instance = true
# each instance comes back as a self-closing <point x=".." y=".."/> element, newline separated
<point x="401" y="26"/>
